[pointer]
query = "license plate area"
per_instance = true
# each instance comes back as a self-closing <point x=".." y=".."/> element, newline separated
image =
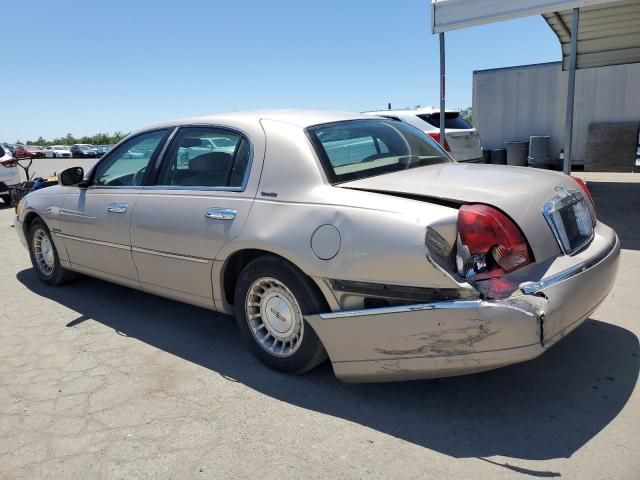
<point x="571" y="220"/>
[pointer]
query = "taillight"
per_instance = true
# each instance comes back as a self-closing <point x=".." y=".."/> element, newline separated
<point x="489" y="243"/>
<point x="436" y="137"/>
<point x="586" y="192"/>
<point x="9" y="163"/>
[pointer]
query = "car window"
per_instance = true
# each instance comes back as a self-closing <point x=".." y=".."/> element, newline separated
<point x="364" y="148"/>
<point x="451" y="120"/>
<point x="205" y="157"/>
<point x="126" y="165"/>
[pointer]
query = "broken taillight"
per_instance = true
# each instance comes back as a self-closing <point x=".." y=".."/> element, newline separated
<point x="489" y="243"/>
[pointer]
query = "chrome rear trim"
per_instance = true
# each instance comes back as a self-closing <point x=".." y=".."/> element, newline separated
<point x="530" y="288"/>
<point x="170" y="255"/>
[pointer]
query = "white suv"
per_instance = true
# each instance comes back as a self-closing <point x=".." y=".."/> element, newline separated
<point x="9" y="174"/>
<point x="462" y="140"/>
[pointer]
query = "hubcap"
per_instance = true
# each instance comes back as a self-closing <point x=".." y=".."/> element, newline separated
<point x="274" y="317"/>
<point x="43" y="252"/>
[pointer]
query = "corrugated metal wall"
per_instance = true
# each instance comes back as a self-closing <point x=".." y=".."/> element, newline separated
<point x="515" y="103"/>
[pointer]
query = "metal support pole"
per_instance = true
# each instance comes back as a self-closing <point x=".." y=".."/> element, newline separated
<point x="568" y="132"/>
<point x="442" y="90"/>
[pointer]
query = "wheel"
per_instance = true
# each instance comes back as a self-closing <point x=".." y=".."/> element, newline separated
<point x="271" y="298"/>
<point x="6" y="199"/>
<point x="44" y="255"/>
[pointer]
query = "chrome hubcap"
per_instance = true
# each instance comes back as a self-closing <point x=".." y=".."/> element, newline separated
<point x="43" y="252"/>
<point x="274" y="317"/>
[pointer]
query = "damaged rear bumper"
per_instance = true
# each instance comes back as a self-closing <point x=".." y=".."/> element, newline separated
<point x="460" y="337"/>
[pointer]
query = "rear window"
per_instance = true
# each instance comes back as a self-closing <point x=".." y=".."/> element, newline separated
<point x="451" y="120"/>
<point x="364" y="148"/>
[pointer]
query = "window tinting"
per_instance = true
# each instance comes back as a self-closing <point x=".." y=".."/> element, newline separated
<point x="205" y="157"/>
<point x="364" y="148"/>
<point x="126" y="165"/>
<point x="451" y="120"/>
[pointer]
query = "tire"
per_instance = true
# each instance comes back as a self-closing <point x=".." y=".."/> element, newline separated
<point x="6" y="199"/>
<point x="44" y="256"/>
<point x="288" y="294"/>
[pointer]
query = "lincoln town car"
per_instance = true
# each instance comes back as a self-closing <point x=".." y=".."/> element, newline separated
<point x="338" y="236"/>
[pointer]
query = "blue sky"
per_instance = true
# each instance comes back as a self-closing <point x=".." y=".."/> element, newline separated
<point x="87" y="67"/>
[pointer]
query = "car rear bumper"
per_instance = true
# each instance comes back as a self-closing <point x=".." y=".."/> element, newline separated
<point x="460" y="337"/>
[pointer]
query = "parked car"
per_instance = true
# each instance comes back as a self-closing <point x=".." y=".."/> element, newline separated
<point x="28" y="151"/>
<point x="8" y="147"/>
<point x="57" y="151"/>
<point x="9" y="174"/>
<point x="84" y="150"/>
<point x="102" y="149"/>
<point x="462" y="140"/>
<point x="339" y="235"/>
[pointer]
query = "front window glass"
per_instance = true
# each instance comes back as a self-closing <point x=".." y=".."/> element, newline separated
<point x="126" y="166"/>
<point x="205" y="157"/>
<point x="364" y="148"/>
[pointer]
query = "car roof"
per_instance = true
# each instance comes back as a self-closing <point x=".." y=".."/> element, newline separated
<point x="301" y="118"/>
<point x="411" y="111"/>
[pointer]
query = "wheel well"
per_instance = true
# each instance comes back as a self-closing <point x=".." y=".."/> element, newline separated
<point x="236" y="263"/>
<point x="30" y="217"/>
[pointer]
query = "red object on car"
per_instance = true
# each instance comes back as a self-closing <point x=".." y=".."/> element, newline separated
<point x="436" y="137"/>
<point x="494" y="241"/>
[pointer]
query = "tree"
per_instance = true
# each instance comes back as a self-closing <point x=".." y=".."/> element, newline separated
<point x="467" y="115"/>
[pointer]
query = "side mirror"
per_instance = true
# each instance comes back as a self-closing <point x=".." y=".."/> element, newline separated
<point x="71" y="176"/>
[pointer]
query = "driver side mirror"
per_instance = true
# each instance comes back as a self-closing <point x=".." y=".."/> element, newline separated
<point x="72" y="176"/>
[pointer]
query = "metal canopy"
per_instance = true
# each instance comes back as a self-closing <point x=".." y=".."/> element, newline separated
<point x="608" y="34"/>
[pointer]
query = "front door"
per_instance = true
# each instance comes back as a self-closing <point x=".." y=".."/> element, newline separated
<point x="95" y="221"/>
<point x="198" y="203"/>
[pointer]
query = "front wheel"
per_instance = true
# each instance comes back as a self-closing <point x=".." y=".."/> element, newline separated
<point x="44" y="255"/>
<point x="271" y="300"/>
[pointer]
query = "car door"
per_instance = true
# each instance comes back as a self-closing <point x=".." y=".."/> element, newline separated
<point x="95" y="221"/>
<point x="199" y="202"/>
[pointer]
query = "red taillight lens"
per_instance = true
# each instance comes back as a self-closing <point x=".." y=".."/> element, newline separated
<point x="9" y="163"/>
<point x="489" y="243"/>
<point x="586" y="191"/>
<point x="436" y="137"/>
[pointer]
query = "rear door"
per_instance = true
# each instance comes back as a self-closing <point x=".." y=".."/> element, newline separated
<point x="95" y="221"/>
<point x="199" y="202"/>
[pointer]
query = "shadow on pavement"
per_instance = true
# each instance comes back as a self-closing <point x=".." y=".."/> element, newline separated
<point x="543" y="409"/>
<point x="618" y="205"/>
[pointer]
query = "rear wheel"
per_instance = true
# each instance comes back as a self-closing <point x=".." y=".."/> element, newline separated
<point x="44" y="256"/>
<point x="271" y="300"/>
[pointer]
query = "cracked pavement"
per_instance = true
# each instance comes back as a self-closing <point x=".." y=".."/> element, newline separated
<point x="101" y="381"/>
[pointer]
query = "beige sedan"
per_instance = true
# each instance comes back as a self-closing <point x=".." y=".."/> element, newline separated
<point x="334" y="235"/>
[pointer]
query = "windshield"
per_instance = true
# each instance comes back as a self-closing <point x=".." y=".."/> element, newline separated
<point x="364" y="148"/>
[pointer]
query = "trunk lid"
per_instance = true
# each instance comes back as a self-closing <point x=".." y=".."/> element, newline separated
<point x="520" y="192"/>
<point x="465" y="144"/>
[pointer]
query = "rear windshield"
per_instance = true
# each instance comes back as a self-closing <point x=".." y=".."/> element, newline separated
<point x="451" y="120"/>
<point x="365" y="148"/>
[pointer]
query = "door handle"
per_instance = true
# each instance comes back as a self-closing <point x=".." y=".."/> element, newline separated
<point x="220" y="213"/>
<point x="117" y="207"/>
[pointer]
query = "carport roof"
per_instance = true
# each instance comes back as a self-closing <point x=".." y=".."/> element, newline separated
<point x="608" y="30"/>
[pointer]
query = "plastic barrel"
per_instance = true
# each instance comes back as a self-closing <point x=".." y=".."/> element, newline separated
<point x="499" y="156"/>
<point x="486" y="155"/>
<point x="539" y="147"/>
<point x="517" y="153"/>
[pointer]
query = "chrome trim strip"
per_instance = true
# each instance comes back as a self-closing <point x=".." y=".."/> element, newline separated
<point x="446" y="305"/>
<point x="530" y="288"/>
<point x="170" y="255"/>
<point x="95" y="242"/>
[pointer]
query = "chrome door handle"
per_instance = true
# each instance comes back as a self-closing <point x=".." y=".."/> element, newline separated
<point x="221" y="213"/>
<point x="117" y="207"/>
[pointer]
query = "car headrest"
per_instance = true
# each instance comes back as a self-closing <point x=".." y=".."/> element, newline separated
<point x="190" y="142"/>
<point x="213" y="162"/>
